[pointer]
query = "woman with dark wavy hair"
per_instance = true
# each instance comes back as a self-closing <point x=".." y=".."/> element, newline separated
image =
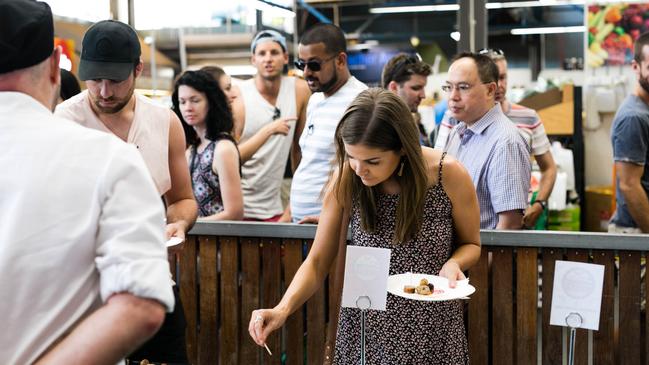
<point x="211" y="150"/>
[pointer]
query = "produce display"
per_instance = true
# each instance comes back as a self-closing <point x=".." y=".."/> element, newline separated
<point x="612" y="29"/>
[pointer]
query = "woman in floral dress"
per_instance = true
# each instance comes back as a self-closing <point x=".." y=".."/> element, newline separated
<point x="413" y="200"/>
<point x="212" y="152"/>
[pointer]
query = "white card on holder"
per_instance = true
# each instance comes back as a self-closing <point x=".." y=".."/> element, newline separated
<point x="366" y="275"/>
<point x="577" y="294"/>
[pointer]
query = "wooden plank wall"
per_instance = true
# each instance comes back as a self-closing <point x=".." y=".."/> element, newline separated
<point x="222" y="279"/>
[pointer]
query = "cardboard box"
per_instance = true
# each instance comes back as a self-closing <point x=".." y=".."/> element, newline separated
<point x="599" y="208"/>
<point x="542" y="100"/>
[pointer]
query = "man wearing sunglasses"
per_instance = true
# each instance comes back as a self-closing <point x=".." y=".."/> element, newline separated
<point x="269" y="117"/>
<point x="322" y="56"/>
<point x="486" y="142"/>
<point x="406" y="76"/>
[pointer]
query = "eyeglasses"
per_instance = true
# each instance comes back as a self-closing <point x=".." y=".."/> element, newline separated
<point x="277" y="113"/>
<point x="463" y="88"/>
<point x="492" y="53"/>
<point x="314" y="66"/>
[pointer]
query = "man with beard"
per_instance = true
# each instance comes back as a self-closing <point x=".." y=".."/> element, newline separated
<point x="269" y="117"/>
<point x="406" y="76"/>
<point x="85" y="274"/>
<point x="486" y="142"/>
<point x="323" y="58"/>
<point x="110" y="63"/>
<point x="630" y="138"/>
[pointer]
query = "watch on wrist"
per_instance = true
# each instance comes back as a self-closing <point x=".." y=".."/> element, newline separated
<point x="542" y="202"/>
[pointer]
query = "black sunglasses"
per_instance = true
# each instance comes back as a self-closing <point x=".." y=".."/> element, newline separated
<point x="277" y="113"/>
<point x="314" y="66"/>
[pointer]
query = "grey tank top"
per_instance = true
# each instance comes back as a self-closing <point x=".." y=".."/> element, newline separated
<point x="261" y="176"/>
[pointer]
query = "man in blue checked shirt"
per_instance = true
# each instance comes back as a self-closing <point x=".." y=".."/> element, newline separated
<point x="486" y="142"/>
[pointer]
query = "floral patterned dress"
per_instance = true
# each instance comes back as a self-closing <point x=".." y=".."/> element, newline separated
<point x="409" y="331"/>
<point x="205" y="182"/>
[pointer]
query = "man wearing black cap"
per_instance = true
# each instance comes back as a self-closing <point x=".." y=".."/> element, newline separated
<point x="84" y="267"/>
<point x="110" y="63"/>
<point x="270" y="117"/>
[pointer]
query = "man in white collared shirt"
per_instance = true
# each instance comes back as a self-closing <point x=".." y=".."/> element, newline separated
<point x="82" y="254"/>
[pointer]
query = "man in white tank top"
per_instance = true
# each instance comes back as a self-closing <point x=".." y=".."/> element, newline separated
<point x="110" y="63"/>
<point x="269" y="118"/>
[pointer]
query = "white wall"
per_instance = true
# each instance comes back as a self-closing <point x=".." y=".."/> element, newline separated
<point x="597" y="128"/>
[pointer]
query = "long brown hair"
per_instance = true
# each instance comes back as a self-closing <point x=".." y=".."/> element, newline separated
<point x="377" y="118"/>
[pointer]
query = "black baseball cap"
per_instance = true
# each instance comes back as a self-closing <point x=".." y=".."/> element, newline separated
<point x="26" y="34"/>
<point x="109" y="50"/>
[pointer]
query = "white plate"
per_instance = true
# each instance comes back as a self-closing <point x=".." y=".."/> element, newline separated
<point x="174" y="241"/>
<point x="461" y="290"/>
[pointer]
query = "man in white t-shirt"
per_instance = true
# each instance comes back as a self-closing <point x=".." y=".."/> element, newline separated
<point x="82" y="256"/>
<point x="322" y="56"/>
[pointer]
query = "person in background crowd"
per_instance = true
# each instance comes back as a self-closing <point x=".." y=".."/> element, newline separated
<point x="404" y="197"/>
<point x="69" y="85"/>
<point x="85" y="272"/>
<point x="322" y="55"/>
<point x="630" y="139"/>
<point x="486" y="142"/>
<point x="406" y="76"/>
<point x="110" y="63"/>
<point x="269" y="119"/>
<point x="531" y="128"/>
<point x="224" y="80"/>
<point x="440" y="108"/>
<point x="423" y="137"/>
<point x="212" y="154"/>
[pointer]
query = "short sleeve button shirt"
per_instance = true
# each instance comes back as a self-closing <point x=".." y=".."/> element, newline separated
<point x="497" y="159"/>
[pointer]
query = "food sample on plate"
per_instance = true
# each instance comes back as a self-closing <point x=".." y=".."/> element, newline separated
<point x="424" y="288"/>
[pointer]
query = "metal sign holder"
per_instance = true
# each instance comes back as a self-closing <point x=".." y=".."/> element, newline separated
<point x="574" y="321"/>
<point x="363" y="303"/>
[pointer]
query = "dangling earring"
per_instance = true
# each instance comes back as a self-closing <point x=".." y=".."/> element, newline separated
<point x="400" y="169"/>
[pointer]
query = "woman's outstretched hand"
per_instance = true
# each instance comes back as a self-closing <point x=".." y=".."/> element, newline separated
<point x="263" y="322"/>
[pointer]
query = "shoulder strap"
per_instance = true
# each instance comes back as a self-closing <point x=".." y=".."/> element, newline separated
<point x="441" y="164"/>
<point x="192" y="165"/>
